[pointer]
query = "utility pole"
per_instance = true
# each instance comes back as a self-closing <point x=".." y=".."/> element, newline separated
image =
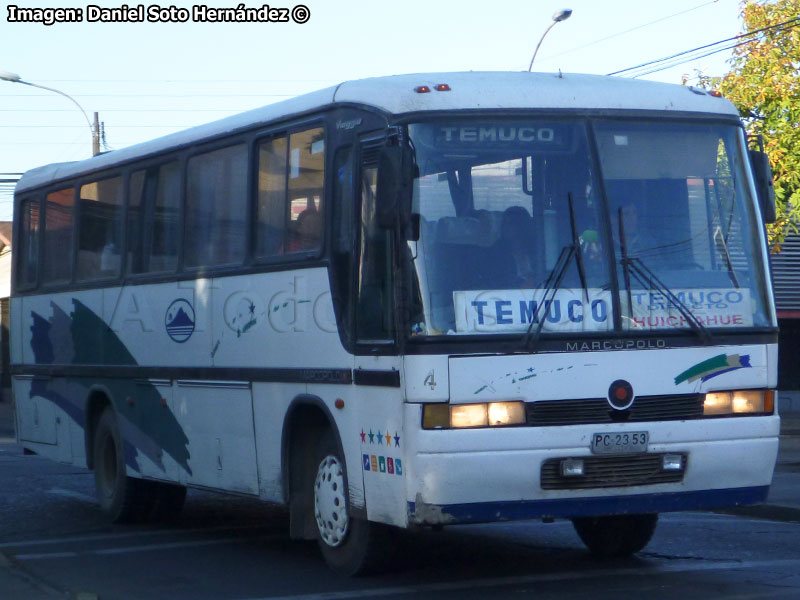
<point x="96" y="135"/>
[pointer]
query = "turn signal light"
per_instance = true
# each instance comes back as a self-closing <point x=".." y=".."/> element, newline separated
<point x="422" y="89"/>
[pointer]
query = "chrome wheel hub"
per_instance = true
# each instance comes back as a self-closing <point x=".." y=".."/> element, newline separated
<point x="330" y="507"/>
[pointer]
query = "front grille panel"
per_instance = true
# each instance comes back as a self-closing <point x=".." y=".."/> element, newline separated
<point x="597" y="410"/>
<point x="611" y="471"/>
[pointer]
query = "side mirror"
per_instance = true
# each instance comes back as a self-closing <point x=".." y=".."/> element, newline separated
<point x="762" y="172"/>
<point x="394" y="192"/>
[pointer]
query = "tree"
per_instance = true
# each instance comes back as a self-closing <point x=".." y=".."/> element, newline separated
<point x="764" y="84"/>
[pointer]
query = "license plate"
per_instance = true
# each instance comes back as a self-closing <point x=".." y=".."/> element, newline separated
<point x="628" y="442"/>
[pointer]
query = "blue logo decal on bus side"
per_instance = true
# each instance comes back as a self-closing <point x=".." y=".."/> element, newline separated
<point x="179" y="320"/>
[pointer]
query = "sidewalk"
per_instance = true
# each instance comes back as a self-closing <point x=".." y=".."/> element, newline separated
<point x="15" y="584"/>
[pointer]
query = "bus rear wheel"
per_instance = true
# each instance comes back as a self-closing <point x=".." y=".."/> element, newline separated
<point x="350" y="545"/>
<point x="124" y="499"/>
<point x="616" y="535"/>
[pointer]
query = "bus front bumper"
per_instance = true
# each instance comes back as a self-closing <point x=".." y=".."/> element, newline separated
<point x="475" y="476"/>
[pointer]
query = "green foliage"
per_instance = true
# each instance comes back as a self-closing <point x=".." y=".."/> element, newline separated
<point x="764" y="84"/>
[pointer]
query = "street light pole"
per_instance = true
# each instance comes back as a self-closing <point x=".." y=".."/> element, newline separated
<point x="14" y="78"/>
<point x="561" y="15"/>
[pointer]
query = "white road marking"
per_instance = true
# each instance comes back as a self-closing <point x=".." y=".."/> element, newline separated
<point x="144" y="548"/>
<point x="156" y="547"/>
<point x="672" y="567"/>
<point x="45" y="556"/>
<point x="114" y="536"/>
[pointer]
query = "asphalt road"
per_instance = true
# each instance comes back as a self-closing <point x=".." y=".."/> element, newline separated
<point x="55" y="543"/>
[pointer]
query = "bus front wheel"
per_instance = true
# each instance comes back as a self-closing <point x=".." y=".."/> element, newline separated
<point x="124" y="499"/>
<point x="350" y="545"/>
<point x="617" y="535"/>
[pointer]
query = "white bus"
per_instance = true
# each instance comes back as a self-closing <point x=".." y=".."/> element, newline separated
<point x="410" y="301"/>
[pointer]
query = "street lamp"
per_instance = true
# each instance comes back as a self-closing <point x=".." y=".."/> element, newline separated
<point x="14" y="78"/>
<point x="561" y="15"/>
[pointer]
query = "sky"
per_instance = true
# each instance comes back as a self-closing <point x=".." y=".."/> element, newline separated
<point x="148" y="79"/>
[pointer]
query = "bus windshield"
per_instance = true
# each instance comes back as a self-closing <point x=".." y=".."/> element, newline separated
<point x="523" y="225"/>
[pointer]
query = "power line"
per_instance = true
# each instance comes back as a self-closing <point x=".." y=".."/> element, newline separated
<point x="189" y="95"/>
<point x="81" y="127"/>
<point x="792" y="22"/>
<point x="126" y="110"/>
<point x="680" y="62"/>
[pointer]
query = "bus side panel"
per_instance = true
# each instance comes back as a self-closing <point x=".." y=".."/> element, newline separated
<point x="51" y="409"/>
<point x="270" y="403"/>
<point x="277" y="321"/>
<point x="375" y="442"/>
<point x="166" y="324"/>
<point x="217" y="418"/>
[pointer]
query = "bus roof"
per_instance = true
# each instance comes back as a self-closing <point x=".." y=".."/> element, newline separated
<point x="397" y="95"/>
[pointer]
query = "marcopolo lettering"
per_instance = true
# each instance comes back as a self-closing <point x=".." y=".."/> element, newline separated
<point x="497" y="134"/>
<point x="594" y="346"/>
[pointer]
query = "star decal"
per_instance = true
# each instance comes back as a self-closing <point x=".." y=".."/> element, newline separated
<point x="371" y="437"/>
<point x="363" y="436"/>
<point x="380" y="438"/>
<point x="388" y="439"/>
<point x="396" y="440"/>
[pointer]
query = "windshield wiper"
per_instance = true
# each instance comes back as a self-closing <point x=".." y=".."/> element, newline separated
<point x="553" y="282"/>
<point x="634" y="266"/>
<point x="550" y="288"/>
<point x="719" y="240"/>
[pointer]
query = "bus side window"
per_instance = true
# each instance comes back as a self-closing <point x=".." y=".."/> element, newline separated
<point x="374" y="321"/>
<point x="271" y="197"/>
<point x="100" y="229"/>
<point x="29" y="243"/>
<point x="153" y="225"/>
<point x="57" y="264"/>
<point x="216" y="208"/>
<point x="306" y="174"/>
<point x="290" y="182"/>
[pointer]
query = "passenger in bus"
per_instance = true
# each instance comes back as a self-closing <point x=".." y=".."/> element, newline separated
<point x="307" y="232"/>
<point x="515" y="251"/>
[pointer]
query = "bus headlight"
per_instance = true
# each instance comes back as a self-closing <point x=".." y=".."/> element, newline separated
<point x="468" y="415"/>
<point x="506" y="413"/>
<point x="457" y="416"/>
<point x="738" y="402"/>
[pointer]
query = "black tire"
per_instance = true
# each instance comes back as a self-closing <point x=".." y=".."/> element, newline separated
<point x="615" y="536"/>
<point x="124" y="499"/>
<point x="349" y="545"/>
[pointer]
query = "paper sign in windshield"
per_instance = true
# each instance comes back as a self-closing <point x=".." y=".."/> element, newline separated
<point x="506" y="311"/>
<point x="711" y="307"/>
